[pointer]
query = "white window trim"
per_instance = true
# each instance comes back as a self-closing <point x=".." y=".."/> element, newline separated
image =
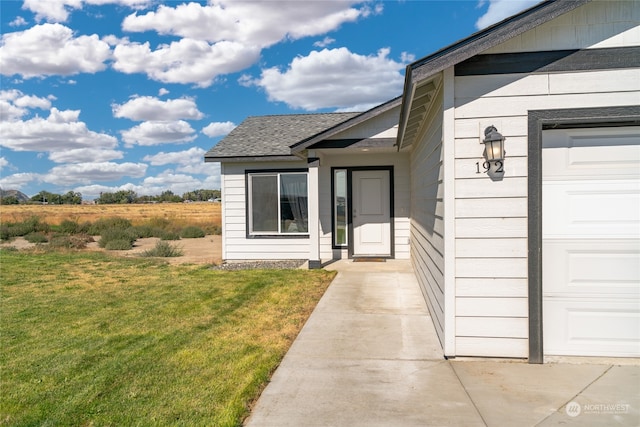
<point x="335" y="210"/>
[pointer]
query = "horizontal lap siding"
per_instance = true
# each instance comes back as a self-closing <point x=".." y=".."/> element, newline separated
<point x="236" y="246"/>
<point x="598" y="24"/>
<point x="491" y="215"/>
<point x="427" y="210"/>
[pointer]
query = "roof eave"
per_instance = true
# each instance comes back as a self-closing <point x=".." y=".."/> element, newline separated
<point x="242" y="159"/>
<point x="349" y="123"/>
<point x="478" y="42"/>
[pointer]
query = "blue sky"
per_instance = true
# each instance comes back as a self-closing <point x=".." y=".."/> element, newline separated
<point x="108" y="95"/>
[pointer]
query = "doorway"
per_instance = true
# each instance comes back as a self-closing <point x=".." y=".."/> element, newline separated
<point x="371" y="212"/>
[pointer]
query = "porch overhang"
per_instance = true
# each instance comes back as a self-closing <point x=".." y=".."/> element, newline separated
<point x="417" y="105"/>
<point x="329" y="135"/>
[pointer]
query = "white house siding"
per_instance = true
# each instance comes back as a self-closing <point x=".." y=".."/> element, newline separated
<point x="427" y="211"/>
<point x="598" y="24"/>
<point x="235" y="245"/>
<point x="344" y="158"/>
<point x="384" y="125"/>
<point x="491" y="216"/>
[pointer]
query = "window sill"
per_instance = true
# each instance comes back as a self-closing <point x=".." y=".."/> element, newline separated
<point x="277" y="236"/>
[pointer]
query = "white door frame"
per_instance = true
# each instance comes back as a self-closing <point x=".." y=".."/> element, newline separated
<point x="350" y="204"/>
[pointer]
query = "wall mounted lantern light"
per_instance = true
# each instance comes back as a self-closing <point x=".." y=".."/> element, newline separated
<point x="494" y="144"/>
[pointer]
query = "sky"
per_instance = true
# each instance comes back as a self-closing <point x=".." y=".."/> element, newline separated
<point x="108" y="95"/>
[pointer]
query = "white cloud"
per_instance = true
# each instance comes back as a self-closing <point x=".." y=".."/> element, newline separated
<point x="153" y="185"/>
<point x="212" y="181"/>
<point x="501" y="9"/>
<point x="162" y="91"/>
<point x="324" y="42"/>
<point x="155" y="133"/>
<point x="166" y="180"/>
<point x="19" y="180"/>
<point x="9" y="112"/>
<point x="52" y="10"/>
<point x="73" y="174"/>
<point x="3" y="163"/>
<point x="215" y="129"/>
<point x="59" y="10"/>
<point x="170" y="179"/>
<point x="199" y="167"/>
<point x="112" y="40"/>
<point x="51" y="49"/>
<point x="186" y="157"/>
<point x="14" y="104"/>
<point x="176" y="182"/>
<point x="18" y="22"/>
<point x="30" y="101"/>
<point x="223" y="37"/>
<point x="251" y="23"/>
<point x="60" y="131"/>
<point x="94" y="190"/>
<point x="190" y="161"/>
<point x="80" y="155"/>
<point x="335" y="78"/>
<point x="150" y="108"/>
<point x="185" y="61"/>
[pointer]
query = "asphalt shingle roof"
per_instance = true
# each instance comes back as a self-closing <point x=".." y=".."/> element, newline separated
<point x="261" y="136"/>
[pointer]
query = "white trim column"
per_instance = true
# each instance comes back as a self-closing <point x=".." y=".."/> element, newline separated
<point x="448" y="160"/>
<point x="314" y="211"/>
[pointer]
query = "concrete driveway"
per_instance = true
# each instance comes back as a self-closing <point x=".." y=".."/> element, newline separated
<point x="369" y="356"/>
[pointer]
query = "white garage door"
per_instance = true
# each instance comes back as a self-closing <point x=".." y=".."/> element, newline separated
<point x="591" y="241"/>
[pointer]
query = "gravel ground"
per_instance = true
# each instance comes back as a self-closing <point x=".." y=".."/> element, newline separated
<point x="254" y="265"/>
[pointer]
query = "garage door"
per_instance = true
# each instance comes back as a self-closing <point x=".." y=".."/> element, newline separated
<point x="591" y="241"/>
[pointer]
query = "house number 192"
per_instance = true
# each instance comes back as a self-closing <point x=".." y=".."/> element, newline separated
<point x="486" y="166"/>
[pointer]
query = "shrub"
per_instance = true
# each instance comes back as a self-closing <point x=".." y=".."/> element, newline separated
<point x="74" y="227"/>
<point x="192" y="232"/>
<point x="170" y="235"/>
<point x="159" y="222"/>
<point x="118" y="245"/>
<point x="36" y="237"/>
<point x="143" y="231"/>
<point x="4" y="232"/>
<point x="98" y="227"/>
<point x="19" y="229"/>
<point x="158" y="232"/>
<point x="117" y="234"/>
<point x="163" y="249"/>
<point x="31" y="225"/>
<point x="77" y="241"/>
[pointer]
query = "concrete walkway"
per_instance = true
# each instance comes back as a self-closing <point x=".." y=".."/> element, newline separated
<point x="369" y="356"/>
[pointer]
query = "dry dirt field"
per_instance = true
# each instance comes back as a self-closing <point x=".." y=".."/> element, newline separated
<point x="206" y="250"/>
<point x="183" y="213"/>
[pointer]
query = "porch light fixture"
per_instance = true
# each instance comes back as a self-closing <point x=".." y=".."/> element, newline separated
<point x="494" y="144"/>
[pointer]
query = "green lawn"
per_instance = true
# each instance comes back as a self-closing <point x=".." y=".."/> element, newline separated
<point x="92" y="339"/>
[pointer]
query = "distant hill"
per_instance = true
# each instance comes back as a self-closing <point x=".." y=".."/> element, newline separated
<point x="15" y="193"/>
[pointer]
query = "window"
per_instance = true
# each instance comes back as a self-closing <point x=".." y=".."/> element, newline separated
<point x="278" y="203"/>
<point x="340" y="207"/>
